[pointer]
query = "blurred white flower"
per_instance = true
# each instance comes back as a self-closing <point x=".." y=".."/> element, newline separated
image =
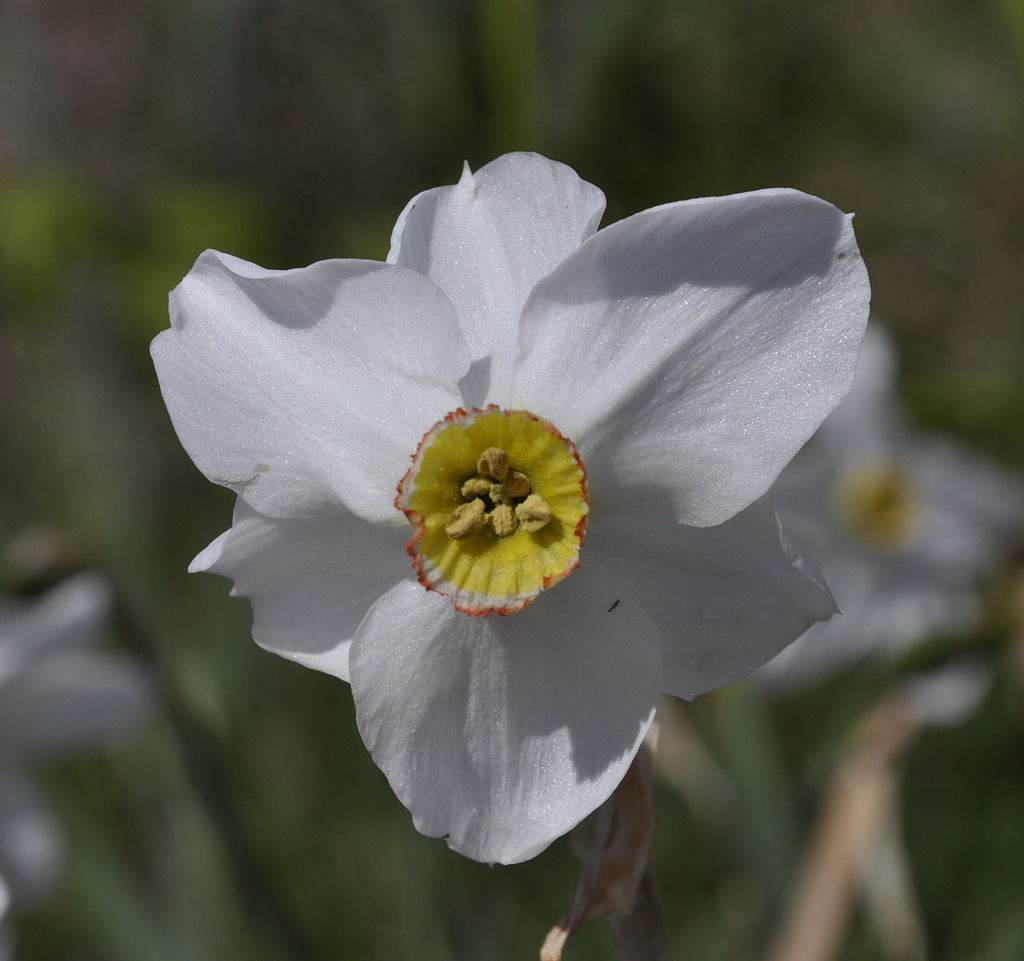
<point x="905" y="526"/>
<point x="58" y="696"/>
<point x="947" y="695"/>
<point x="642" y="385"/>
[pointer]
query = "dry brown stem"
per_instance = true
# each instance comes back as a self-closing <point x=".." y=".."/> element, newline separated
<point x="854" y="819"/>
<point x="616" y="878"/>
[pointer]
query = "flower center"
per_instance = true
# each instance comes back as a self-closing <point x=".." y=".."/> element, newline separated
<point x="499" y="502"/>
<point x="879" y="506"/>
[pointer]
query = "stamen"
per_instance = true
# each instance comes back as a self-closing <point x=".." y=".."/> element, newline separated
<point x="478" y="486"/>
<point x="533" y="513"/>
<point x="503" y="520"/>
<point x="516" y="484"/>
<point x="506" y="491"/>
<point x="465" y="520"/>
<point x="494" y="461"/>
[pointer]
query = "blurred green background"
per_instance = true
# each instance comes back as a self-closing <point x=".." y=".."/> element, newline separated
<point x="246" y="821"/>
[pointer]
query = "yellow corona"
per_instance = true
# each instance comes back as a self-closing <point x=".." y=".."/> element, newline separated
<point x="498" y="499"/>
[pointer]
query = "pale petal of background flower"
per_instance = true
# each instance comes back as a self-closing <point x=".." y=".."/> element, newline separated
<point x="58" y="695"/>
<point x="969" y="514"/>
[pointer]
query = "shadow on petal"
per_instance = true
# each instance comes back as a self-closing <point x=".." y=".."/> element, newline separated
<point x="503" y="733"/>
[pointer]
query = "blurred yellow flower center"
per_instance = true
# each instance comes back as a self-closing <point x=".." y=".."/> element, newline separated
<point x="499" y="502"/>
<point x="879" y="506"/>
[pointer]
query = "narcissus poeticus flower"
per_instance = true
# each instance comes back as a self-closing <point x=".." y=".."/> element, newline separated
<point x="511" y="483"/>
<point x="906" y="525"/>
<point x="59" y="695"/>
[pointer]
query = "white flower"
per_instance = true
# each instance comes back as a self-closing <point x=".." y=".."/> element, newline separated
<point x="58" y="695"/>
<point x="905" y="526"/>
<point x="649" y="381"/>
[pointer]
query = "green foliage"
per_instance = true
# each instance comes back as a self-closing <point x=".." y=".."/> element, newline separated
<point x="177" y="222"/>
<point x="48" y="230"/>
<point x="246" y="820"/>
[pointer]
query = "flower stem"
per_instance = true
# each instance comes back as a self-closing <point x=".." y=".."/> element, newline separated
<point x="616" y="879"/>
<point x="860" y="804"/>
<point x="641" y="935"/>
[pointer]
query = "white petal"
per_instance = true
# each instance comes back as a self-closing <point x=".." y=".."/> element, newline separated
<point x="501" y="733"/>
<point x="691" y="349"/>
<point x="30" y="846"/>
<point x="726" y="599"/>
<point x="973" y="509"/>
<point x="69" y="701"/>
<point x="887" y="603"/>
<point x="949" y="694"/>
<point x="862" y="427"/>
<point x="68" y="615"/>
<point x="310" y="580"/>
<point x="306" y="389"/>
<point x="486" y="241"/>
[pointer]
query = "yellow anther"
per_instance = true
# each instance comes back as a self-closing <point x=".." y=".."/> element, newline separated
<point x="516" y="484"/>
<point x="478" y="486"/>
<point x="880" y="506"/>
<point x="503" y="520"/>
<point x="533" y="513"/>
<point x="495" y="462"/>
<point x="465" y="520"/>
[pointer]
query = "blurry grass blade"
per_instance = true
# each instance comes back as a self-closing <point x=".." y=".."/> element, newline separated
<point x="765" y="810"/>
<point x="508" y="42"/>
